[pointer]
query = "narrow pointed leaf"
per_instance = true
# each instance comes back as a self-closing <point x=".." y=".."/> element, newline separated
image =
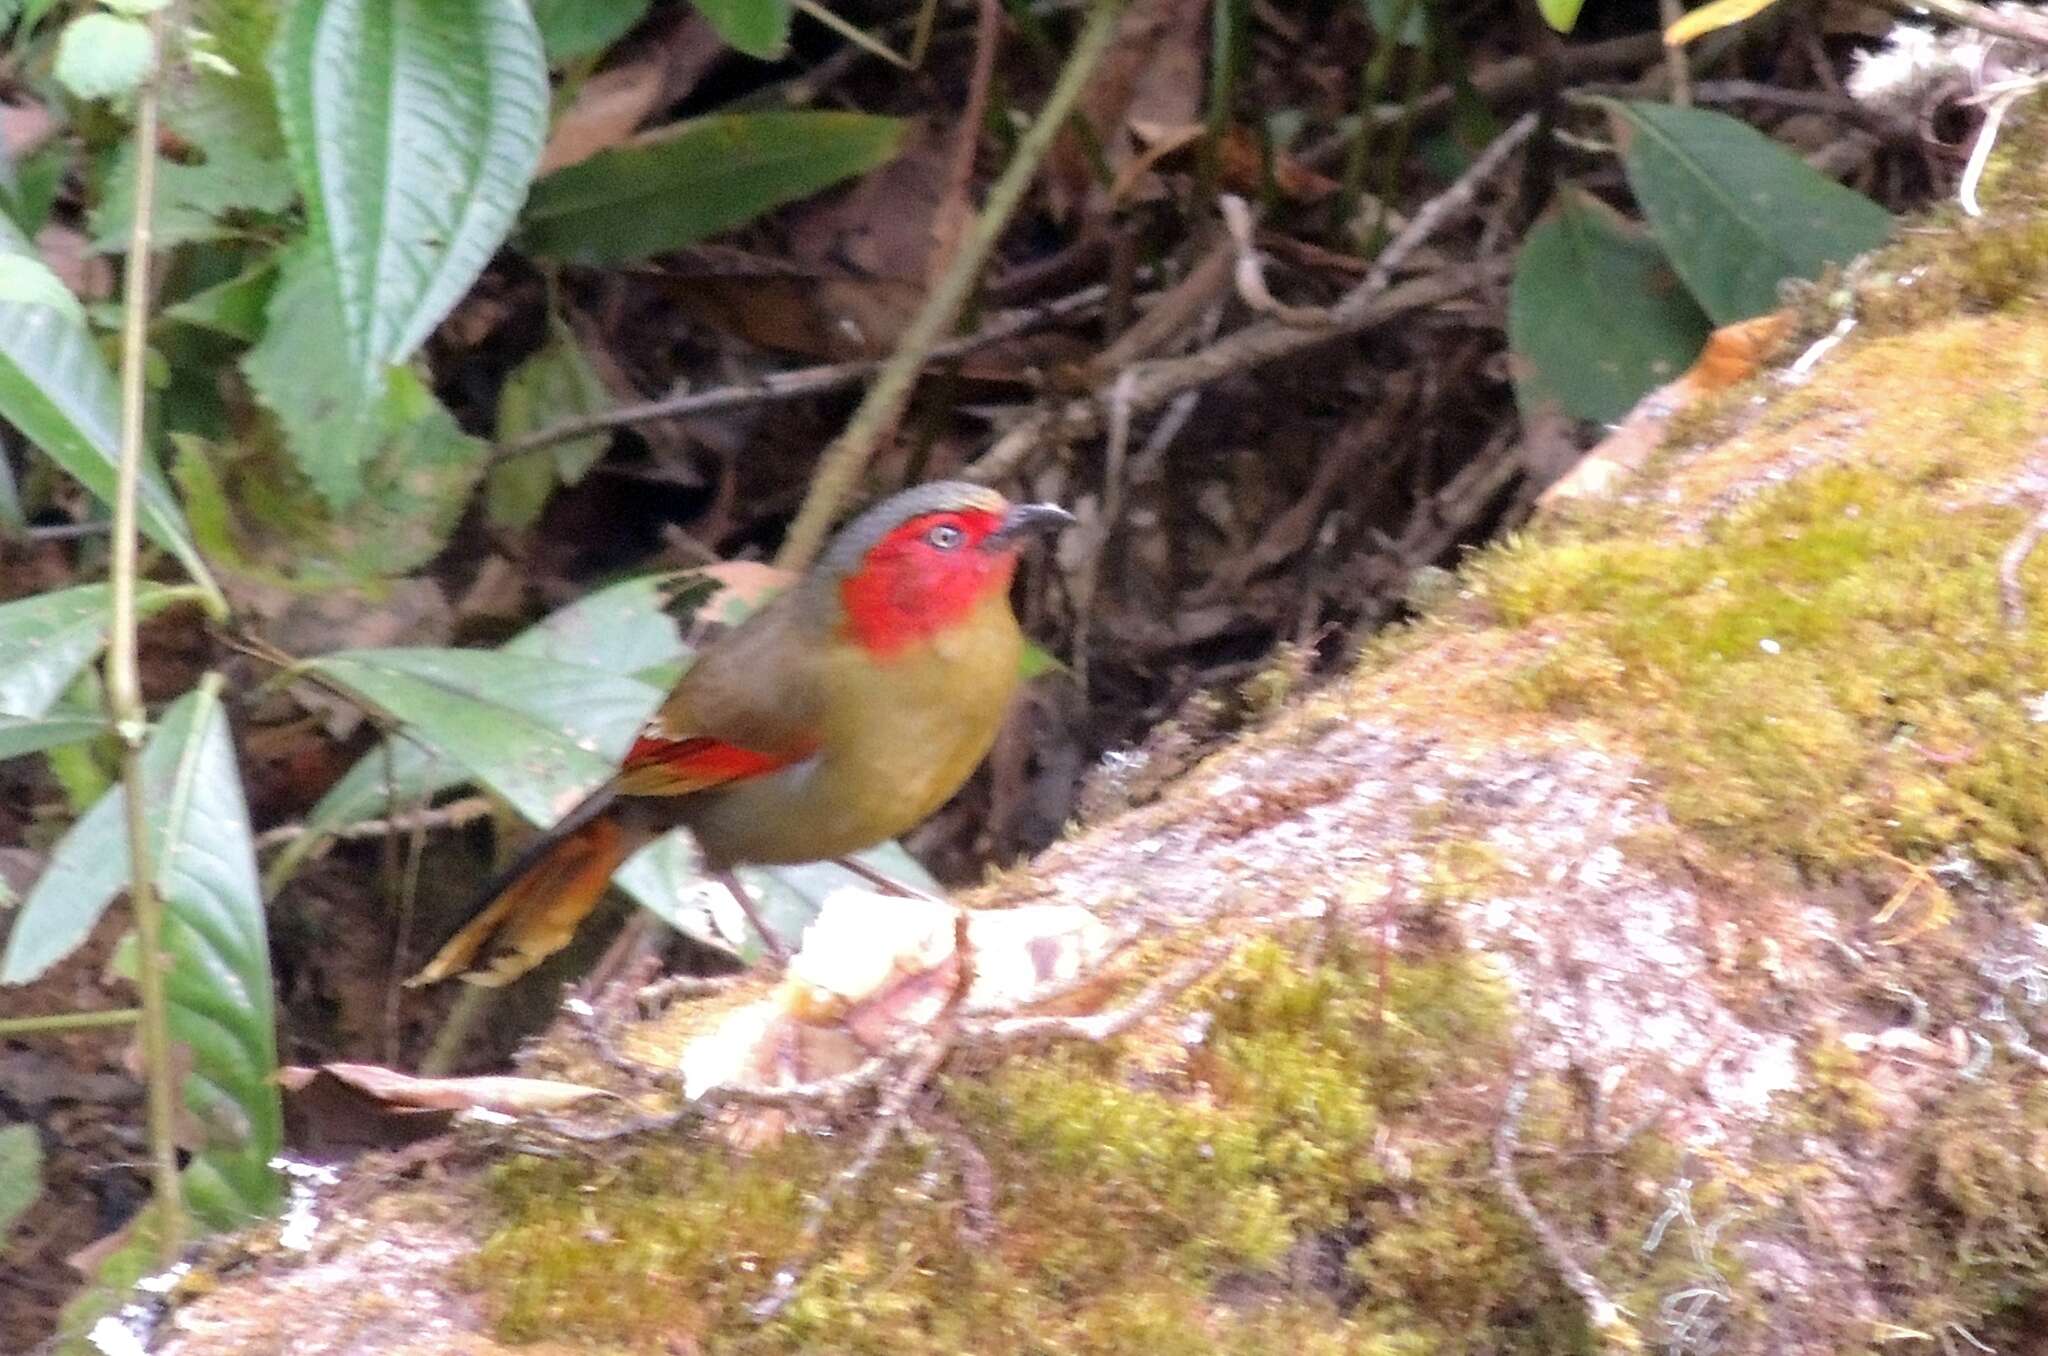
<point x="537" y="732"/>
<point x="760" y="28"/>
<point x="414" y="127"/>
<point x="47" y="639"/>
<point x="55" y="388"/>
<point x="33" y="734"/>
<point x="1737" y="213"/>
<point x="219" y="983"/>
<point x="702" y="177"/>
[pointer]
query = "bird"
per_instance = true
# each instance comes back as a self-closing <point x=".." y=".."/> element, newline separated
<point x="842" y="713"/>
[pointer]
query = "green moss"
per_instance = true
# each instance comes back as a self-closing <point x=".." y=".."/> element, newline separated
<point x="1823" y="672"/>
<point x="1312" y="1178"/>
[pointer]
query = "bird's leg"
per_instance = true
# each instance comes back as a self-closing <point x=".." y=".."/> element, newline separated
<point x="769" y="939"/>
<point x="879" y="880"/>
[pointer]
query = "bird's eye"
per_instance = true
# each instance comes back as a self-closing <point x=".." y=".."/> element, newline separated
<point x="944" y="536"/>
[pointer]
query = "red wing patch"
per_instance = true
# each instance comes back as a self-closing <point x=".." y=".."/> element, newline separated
<point x="656" y="766"/>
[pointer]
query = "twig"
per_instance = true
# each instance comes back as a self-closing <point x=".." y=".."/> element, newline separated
<point x="1110" y="510"/>
<point x="1436" y="213"/>
<point x="1670" y="12"/>
<point x="1159" y="382"/>
<point x="1103" y="1026"/>
<point x="952" y="213"/>
<point x="888" y="1120"/>
<point x="1250" y="273"/>
<point x="2012" y="593"/>
<point x="793" y="385"/>
<point x="841" y="465"/>
<point x="2010" y="21"/>
<point x="453" y="815"/>
<point x="67" y="1021"/>
<point x="1373" y="300"/>
<point x="124" y="686"/>
<point x="1601" y="1312"/>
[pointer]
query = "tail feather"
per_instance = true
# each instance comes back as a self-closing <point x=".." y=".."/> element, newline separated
<point x="530" y="910"/>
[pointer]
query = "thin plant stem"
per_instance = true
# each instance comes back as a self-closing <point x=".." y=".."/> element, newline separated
<point x="67" y="1021"/>
<point x="841" y="466"/>
<point x="1372" y="87"/>
<point x="124" y="688"/>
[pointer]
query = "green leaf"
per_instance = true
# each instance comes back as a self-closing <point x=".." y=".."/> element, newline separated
<point x="579" y="28"/>
<point x="32" y="734"/>
<point x="55" y="388"/>
<point x="327" y="409"/>
<point x="1561" y="15"/>
<point x="539" y="733"/>
<point x="1736" y="212"/>
<point x="47" y="640"/>
<point x="199" y="201"/>
<point x="391" y="440"/>
<point x="556" y="383"/>
<point x="414" y="127"/>
<point x="219" y="981"/>
<point x="702" y="177"/>
<point x="21" y="1173"/>
<point x="760" y="28"/>
<point x="1596" y="317"/>
<point x="236" y="307"/>
<point x="621" y="629"/>
<point x="30" y="282"/>
<point x="102" y="56"/>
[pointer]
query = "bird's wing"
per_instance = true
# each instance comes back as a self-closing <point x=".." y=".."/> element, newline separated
<point x="748" y="706"/>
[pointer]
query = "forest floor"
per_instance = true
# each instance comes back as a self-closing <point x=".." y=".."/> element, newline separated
<point x="1642" y="948"/>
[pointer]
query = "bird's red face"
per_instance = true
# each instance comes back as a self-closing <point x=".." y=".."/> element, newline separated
<point x="931" y="570"/>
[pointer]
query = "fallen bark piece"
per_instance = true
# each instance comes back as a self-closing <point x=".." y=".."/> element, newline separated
<point x="874" y="970"/>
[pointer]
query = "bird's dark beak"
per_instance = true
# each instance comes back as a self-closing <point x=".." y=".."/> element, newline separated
<point x="1026" y="520"/>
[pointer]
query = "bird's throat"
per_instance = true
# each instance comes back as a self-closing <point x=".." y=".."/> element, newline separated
<point x="893" y="605"/>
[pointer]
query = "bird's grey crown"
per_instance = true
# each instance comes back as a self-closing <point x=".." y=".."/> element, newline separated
<point x="858" y="537"/>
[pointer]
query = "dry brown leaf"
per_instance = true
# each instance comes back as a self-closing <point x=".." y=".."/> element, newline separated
<point x="1153" y="74"/>
<point x="612" y="104"/>
<point x="606" y="111"/>
<point x="504" y="1094"/>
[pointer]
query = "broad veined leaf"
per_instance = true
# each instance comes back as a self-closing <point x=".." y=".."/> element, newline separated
<point x="47" y="639"/>
<point x="621" y="629"/>
<point x="55" y="388"/>
<point x="413" y="126"/>
<point x="1597" y="318"/>
<point x="760" y="28"/>
<point x="219" y="983"/>
<point x="1736" y="213"/>
<point x="478" y="709"/>
<point x="340" y="428"/>
<point x="702" y="177"/>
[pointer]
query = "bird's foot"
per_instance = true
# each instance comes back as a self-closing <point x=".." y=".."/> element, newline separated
<point x="777" y="949"/>
<point x="888" y="885"/>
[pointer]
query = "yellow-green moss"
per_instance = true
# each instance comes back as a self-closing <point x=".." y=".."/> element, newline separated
<point x="1313" y="1178"/>
<point x="1823" y="672"/>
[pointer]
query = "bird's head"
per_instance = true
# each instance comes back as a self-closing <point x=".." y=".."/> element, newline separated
<point x="922" y="560"/>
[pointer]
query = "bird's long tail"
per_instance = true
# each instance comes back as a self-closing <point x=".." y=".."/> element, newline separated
<point x="532" y="908"/>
